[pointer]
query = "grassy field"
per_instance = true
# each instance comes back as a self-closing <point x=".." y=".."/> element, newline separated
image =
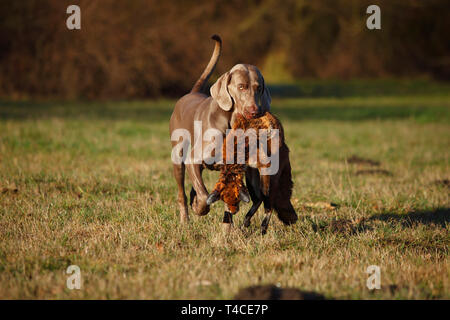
<point x="91" y="184"/>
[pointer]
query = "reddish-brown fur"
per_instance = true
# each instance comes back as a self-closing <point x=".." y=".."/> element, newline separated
<point x="231" y="179"/>
<point x="229" y="186"/>
<point x="230" y="182"/>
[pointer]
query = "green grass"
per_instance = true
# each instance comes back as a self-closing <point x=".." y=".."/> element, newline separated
<point x="359" y="88"/>
<point x="95" y="189"/>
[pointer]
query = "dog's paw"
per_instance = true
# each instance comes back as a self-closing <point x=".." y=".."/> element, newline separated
<point x="199" y="205"/>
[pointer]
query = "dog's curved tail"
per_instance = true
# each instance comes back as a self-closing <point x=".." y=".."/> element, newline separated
<point x="201" y="82"/>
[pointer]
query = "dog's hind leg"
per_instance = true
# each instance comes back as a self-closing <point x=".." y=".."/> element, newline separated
<point x="178" y="172"/>
<point x="192" y="195"/>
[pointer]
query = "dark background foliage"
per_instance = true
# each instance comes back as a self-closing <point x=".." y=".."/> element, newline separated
<point x="151" y="48"/>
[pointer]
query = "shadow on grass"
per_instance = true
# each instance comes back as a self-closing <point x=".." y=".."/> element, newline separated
<point x="362" y="112"/>
<point x="142" y="111"/>
<point x="440" y="217"/>
<point x="158" y="111"/>
<point x="272" y="292"/>
<point x="340" y="226"/>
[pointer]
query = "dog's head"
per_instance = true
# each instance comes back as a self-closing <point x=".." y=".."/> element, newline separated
<point x="243" y="89"/>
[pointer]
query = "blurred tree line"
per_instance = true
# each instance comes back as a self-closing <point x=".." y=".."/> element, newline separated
<point x="150" y="48"/>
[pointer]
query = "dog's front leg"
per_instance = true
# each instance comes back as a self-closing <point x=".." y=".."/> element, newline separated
<point x="267" y="215"/>
<point x="198" y="204"/>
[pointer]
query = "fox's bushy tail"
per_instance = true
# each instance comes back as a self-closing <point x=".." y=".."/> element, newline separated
<point x="283" y="206"/>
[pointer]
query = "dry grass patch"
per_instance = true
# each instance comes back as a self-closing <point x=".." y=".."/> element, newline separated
<point x="98" y="192"/>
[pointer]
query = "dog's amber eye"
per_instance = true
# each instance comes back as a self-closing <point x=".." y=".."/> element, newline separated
<point x="242" y="87"/>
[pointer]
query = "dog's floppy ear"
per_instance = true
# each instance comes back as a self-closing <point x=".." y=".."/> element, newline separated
<point x="266" y="99"/>
<point x="219" y="91"/>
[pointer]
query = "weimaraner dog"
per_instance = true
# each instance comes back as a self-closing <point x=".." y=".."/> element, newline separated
<point x="240" y="90"/>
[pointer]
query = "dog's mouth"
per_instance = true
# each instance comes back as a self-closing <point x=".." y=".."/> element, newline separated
<point x="249" y="116"/>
